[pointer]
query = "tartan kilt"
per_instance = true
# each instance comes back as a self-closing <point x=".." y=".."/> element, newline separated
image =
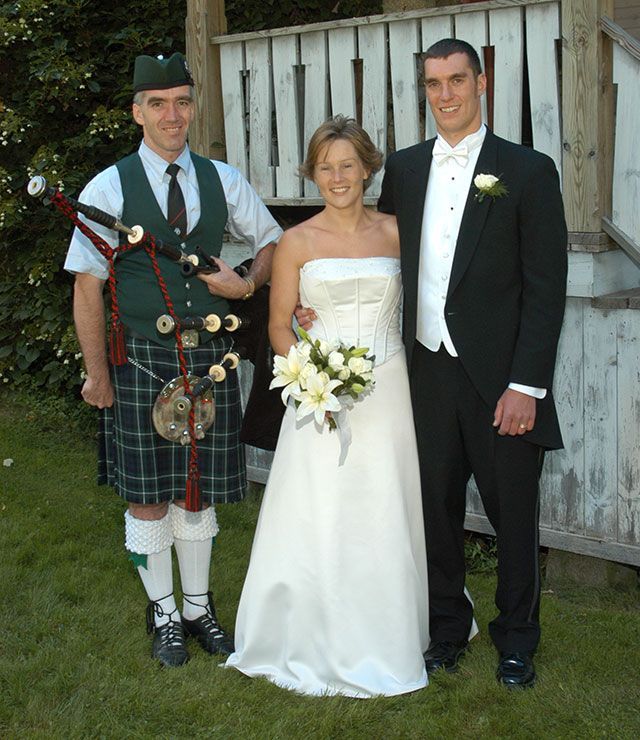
<point x="145" y="468"/>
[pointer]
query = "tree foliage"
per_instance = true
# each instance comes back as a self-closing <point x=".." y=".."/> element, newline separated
<point x="247" y="16"/>
<point x="65" y="90"/>
<point x="65" y="93"/>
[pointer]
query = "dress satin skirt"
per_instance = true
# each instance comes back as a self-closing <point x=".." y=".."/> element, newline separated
<point x="335" y="599"/>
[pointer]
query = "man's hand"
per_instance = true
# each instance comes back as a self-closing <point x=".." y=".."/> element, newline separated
<point x="305" y="316"/>
<point x="226" y="283"/>
<point x="515" y="413"/>
<point x="98" y="393"/>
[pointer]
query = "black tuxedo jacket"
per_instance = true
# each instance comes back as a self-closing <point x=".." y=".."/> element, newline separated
<point x="507" y="290"/>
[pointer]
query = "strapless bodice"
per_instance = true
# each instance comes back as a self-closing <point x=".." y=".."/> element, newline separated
<point x="357" y="301"/>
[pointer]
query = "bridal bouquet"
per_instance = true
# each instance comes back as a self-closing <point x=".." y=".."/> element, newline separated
<point x="322" y="377"/>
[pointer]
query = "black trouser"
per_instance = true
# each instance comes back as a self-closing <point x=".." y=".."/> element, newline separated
<point x="455" y="439"/>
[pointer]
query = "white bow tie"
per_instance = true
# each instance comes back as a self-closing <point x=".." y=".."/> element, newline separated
<point x="460" y="154"/>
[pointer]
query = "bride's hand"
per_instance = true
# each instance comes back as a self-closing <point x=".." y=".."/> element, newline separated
<point x="305" y="316"/>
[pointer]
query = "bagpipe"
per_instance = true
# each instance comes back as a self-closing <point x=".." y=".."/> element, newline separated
<point x="185" y="407"/>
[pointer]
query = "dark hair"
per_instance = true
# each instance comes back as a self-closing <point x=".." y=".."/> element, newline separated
<point x="139" y="97"/>
<point x="446" y="47"/>
<point x="341" y="127"/>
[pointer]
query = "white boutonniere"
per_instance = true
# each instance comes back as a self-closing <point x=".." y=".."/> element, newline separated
<point x="489" y="186"/>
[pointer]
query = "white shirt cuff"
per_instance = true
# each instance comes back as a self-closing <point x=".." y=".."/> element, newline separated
<point x="538" y="393"/>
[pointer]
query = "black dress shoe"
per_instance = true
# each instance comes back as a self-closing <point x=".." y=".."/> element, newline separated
<point x="208" y="632"/>
<point x="444" y="655"/>
<point x="516" y="671"/>
<point x="169" y="645"/>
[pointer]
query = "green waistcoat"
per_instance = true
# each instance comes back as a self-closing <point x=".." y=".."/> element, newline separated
<point x="140" y="300"/>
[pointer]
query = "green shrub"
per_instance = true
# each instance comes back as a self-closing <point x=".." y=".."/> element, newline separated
<point x="246" y="16"/>
<point x="65" y="97"/>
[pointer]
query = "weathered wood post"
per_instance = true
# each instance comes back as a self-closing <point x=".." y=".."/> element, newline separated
<point x="206" y="18"/>
<point x="587" y="105"/>
<point x="583" y="481"/>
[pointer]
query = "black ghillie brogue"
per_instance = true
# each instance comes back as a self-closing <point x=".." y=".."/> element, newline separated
<point x="516" y="670"/>
<point x="445" y="655"/>
<point x="169" y="646"/>
<point x="207" y="631"/>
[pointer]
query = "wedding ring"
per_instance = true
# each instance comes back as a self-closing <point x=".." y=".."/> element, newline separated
<point x="523" y="426"/>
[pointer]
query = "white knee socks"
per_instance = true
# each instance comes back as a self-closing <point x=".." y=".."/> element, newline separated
<point x="154" y="538"/>
<point x="193" y="534"/>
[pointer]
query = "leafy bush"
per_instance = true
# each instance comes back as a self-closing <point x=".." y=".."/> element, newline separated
<point x="244" y="16"/>
<point x="481" y="553"/>
<point x="65" y="98"/>
<point x="65" y="93"/>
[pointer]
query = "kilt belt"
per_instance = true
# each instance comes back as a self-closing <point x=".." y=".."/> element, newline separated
<point x="143" y="467"/>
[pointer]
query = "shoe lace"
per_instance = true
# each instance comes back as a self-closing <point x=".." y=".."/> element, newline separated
<point x="209" y="618"/>
<point x="154" y="609"/>
<point x="172" y="634"/>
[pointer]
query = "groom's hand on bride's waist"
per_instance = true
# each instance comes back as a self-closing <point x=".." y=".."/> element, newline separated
<point x="305" y="316"/>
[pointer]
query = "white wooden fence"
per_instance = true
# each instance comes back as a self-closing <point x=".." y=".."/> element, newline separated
<point x="279" y="85"/>
<point x="624" y="224"/>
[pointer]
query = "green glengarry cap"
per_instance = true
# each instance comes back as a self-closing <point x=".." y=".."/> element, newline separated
<point x="153" y="73"/>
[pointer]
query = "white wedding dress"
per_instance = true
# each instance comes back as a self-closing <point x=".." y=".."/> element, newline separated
<point x="335" y="599"/>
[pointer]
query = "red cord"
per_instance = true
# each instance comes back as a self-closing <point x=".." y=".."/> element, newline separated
<point x="117" y="344"/>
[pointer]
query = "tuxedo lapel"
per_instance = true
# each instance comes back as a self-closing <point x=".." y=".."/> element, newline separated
<point x="475" y="212"/>
<point x="414" y="190"/>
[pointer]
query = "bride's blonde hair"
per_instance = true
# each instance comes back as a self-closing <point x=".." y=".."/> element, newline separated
<point x="341" y="127"/>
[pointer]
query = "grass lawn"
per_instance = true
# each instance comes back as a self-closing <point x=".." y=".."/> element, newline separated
<point x="74" y="657"/>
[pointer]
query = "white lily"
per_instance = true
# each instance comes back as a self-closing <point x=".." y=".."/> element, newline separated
<point x="318" y="398"/>
<point x="307" y="371"/>
<point x="287" y="370"/>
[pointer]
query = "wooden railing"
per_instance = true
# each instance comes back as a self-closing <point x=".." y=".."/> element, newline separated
<point x="623" y="224"/>
<point x="279" y="85"/>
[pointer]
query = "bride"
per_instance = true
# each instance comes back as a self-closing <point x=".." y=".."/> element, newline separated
<point x="335" y="598"/>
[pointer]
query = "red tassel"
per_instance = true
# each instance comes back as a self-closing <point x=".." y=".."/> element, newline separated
<point x="193" y="492"/>
<point x="117" y="345"/>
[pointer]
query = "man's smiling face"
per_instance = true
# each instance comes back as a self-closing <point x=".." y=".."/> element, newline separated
<point x="165" y="116"/>
<point x="454" y="93"/>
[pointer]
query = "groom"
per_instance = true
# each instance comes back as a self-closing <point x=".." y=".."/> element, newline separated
<point x="484" y="270"/>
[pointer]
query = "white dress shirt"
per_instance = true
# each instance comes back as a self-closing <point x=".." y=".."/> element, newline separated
<point x="448" y="187"/>
<point x="248" y="218"/>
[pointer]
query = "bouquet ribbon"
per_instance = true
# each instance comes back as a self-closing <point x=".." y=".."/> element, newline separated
<point x="343" y="427"/>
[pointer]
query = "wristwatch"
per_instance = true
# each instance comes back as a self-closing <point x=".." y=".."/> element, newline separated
<point x="251" y="288"/>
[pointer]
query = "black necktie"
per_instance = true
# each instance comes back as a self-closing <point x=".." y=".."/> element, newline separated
<point x="176" y="210"/>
